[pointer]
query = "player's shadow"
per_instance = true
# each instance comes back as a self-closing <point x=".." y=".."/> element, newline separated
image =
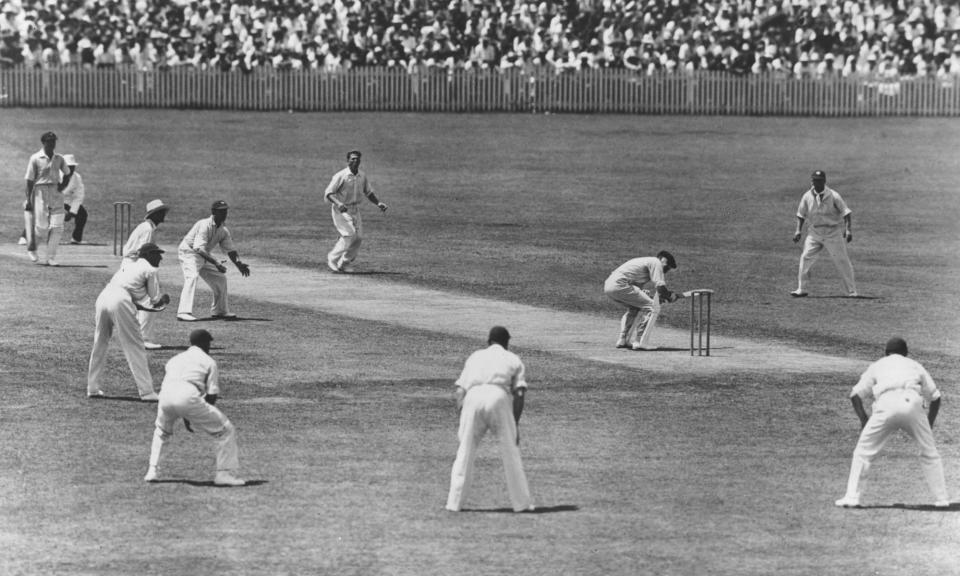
<point x="953" y="507"/>
<point x="80" y="266"/>
<point x="115" y="398"/>
<point x="373" y="273"/>
<point x="68" y="243"/>
<point x="237" y="319"/>
<point x="537" y="510"/>
<point x="840" y="297"/>
<point x="207" y="483"/>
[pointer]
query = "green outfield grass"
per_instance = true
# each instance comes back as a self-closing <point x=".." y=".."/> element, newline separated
<point x="348" y="425"/>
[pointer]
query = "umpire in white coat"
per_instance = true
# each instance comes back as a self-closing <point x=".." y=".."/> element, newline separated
<point x="490" y="393"/>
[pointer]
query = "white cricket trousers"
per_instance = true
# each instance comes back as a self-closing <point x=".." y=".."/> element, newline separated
<point x="181" y="400"/>
<point x="195" y="267"/>
<point x="836" y="247"/>
<point x="488" y="408"/>
<point x="115" y="311"/>
<point x="897" y="410"/>
<point x="350" y="227"/>
<point x="635" y="328"/>
<point x="147" y="320"/>
<point x="48" y="219"/>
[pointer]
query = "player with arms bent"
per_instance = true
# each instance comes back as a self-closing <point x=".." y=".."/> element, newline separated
<point x="343" y="193"/>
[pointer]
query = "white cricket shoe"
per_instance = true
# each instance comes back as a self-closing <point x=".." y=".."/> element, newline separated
<point x="151" y="345"/>
<point x="151" y="397"/>
<point x="95" y="394"/>
<point x="32" y="255"/>
<point x="942" y="504"/>
<point x="52" y="262"/>
<point x="22" y="241"/>
<point x="186" y="317"/>
<point x="847" y="503"/>
<point x="332" y="265"/>
<point x="151" y="475"/>
<point x="644" y="347"/>
<point x="228" y="479"/>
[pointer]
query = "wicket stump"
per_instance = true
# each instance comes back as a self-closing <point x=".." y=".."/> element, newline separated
<point x="697" y="321"/>
<point x="121" y="225"/>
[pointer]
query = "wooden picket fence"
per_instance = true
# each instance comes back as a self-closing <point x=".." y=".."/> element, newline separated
<point x="389" y="89"/>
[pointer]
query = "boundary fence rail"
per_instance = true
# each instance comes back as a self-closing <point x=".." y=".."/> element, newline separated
<point x="390" y="89"/>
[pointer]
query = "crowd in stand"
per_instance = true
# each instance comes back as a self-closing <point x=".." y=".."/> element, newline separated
<point x="801" y="38"/>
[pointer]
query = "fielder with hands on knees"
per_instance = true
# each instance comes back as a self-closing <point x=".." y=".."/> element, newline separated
<point x="344" y="193"/>
<point x="490" y="395"/>
<point x="197" y="261"/>
<point x="831" y="227"/>
<point x="628" y="285"/>
<point x="190" y="391"/>
<point x="134" y="287"/>
<point x="898" y="386"/>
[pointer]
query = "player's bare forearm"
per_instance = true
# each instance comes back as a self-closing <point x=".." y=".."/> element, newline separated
<point x="934" y="410"/>
<point x="859" y="409"/>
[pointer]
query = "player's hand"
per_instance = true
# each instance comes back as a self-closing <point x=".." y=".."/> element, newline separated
<point x="796" y="237"/>
<point x="243" y="268"/>
<point x="27" y="206"/>
<point x="342" y="208"/>
<point x="382" y="207"/>
<point x="848" y="235"/>
<point x="163" y="300"/>
<point x="186" y="424"/>
<point x="221" y="268"/>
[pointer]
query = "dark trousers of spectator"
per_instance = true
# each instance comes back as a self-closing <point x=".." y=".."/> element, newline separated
<point x="80" y="221"/>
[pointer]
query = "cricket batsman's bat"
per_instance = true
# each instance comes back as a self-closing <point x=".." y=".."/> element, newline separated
<point x="690" y="293"/>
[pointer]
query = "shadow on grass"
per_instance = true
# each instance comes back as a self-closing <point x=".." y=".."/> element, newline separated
<point x="839" y="297"/>
<point x="121" y="399"/>
<point x="537" y="510"/>
<point x="370" y="273"/>
<point x="207" y="483"/>
<point x="953" y="507"/>
<point x="237" y="319"/>
<point x="79" y="266"/>
<point x="82" y="244"/>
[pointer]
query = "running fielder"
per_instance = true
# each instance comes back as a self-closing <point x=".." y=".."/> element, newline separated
<point x="626" y="284"/>
<point x="344" y="193"/>
<point x="899" y="386"/>
<point x="490" y="394"/>
<point x="47" y="174"/>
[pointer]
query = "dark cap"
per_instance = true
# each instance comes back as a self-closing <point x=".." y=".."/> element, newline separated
<point x="819" y="175"/>
<point x="896" y="345"/>
<point x="671" y="261"/>
<point x="219" y="205"/>
<point x="499" y="335"/>
<point x="200" y="336"/>
<point x="148" y="248"/>
<point x="48" y="137"/>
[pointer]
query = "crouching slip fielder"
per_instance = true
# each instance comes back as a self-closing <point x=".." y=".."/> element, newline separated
<point x="132" y="288"/>
<point x="625" y="285"/>
<point x="196" y="261"/>
<point x="899" y="387"/>
<point x="490" y="393"/>
<point x="190" y="389"/>
<point x="343" y="193"/>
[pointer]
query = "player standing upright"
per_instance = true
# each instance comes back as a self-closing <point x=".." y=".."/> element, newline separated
<point x="344" y="193"/>
<point x="47" y="175"/>
<point x="145" y="233"/>
<point x="831" y="227"/>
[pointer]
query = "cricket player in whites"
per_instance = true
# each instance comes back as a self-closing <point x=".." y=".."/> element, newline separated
<point x="189" y="391"/>
<point x="145" y="233"/>
<point x="344" y="193"/>
<point x="490" y="394"/>
<point x="831" y="227"/>
<point x="899" y="387"/>
<point x="626" y="284"/>
<point x="47" y="175"/>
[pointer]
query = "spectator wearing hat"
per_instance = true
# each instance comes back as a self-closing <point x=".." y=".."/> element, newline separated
<point x="73" y="196"/>
<point x="134" y="287"/>
<point x="640" y="285"/>
<point x="47" y="175"/>
<point x="197" y="261"/>
<point x="190" y="390"/>
<point x="145" y="233"/>
<point x="831" y="228"/>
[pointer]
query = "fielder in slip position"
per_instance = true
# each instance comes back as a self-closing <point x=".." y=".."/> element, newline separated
<point x="197" y="261"/>
<point x="344" y="193"/>
<point x="899" y="386"/>
<point x="145" y="233"/>
<point x="132" y="288"/>
<point x="626" y="284"/>
<point x="189" y="391"/>
<point x="830" y="227"/>
<point x="490" y="394"/>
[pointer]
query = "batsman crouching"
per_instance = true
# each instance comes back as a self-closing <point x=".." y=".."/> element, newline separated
<point x="189" y="391"/>
<point x="490" y="393"/>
